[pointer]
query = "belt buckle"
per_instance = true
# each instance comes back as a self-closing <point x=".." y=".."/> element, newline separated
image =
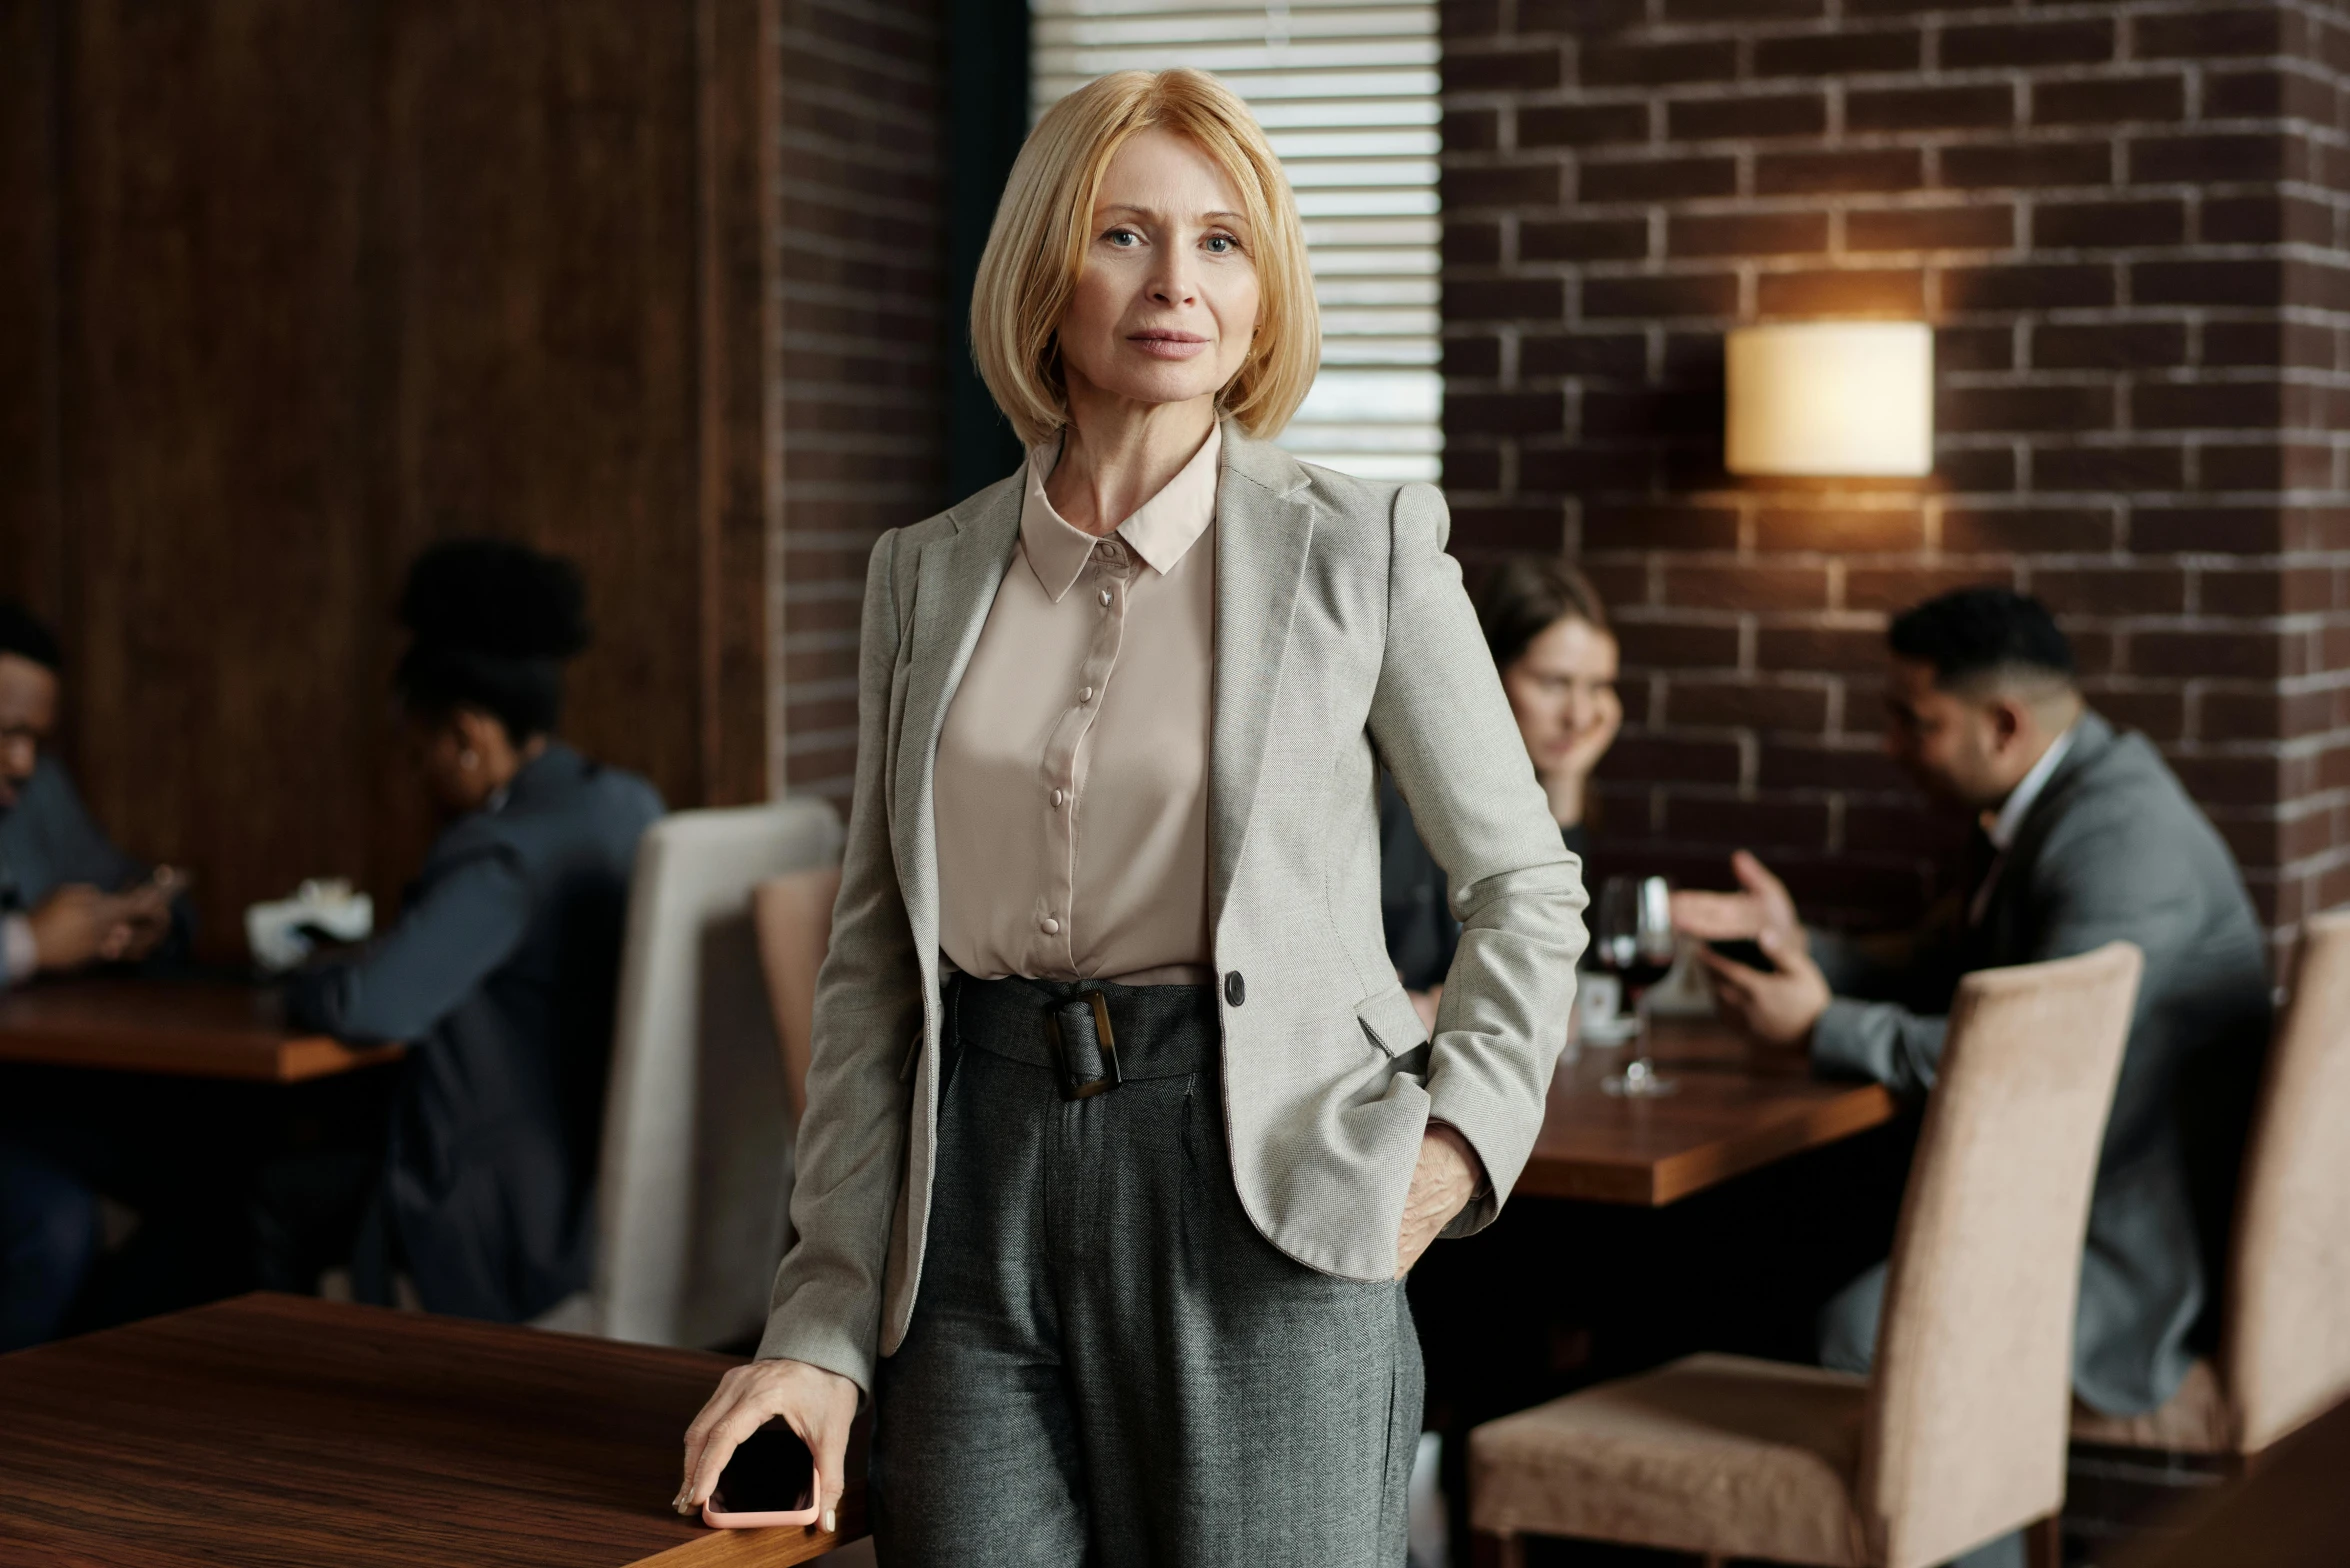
<point x="1073" y="1087"/>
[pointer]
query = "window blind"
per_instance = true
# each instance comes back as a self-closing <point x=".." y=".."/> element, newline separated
<point x="1346" y="93"/>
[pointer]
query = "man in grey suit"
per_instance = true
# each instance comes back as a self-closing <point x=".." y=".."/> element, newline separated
<point x="2084" y="836"/>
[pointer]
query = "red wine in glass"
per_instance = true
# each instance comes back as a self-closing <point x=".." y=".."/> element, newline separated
<point x="1635" y="942"/>
<point x="1634" y="970"/>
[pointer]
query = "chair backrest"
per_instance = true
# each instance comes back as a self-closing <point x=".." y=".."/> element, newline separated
<point x="794" y="915"/>
<point x="2287" y="1351"/>
<point x="696" y="1175"/>
<point x="1971" y="1394"/>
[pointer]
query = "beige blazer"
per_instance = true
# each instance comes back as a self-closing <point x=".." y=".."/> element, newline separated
<point x="1342" y="640"/>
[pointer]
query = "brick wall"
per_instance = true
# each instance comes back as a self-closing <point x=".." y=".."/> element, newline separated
<point x="2123" y="221"/>
<point x="861" y="242"/>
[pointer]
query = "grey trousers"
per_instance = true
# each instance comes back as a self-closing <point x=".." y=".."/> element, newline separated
<point x="1107" y="1364"/>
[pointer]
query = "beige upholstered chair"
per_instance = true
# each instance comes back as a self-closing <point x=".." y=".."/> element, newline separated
<point x="696" y="1174"/>
<point x="2285" y="1352"/>
<point x="793" y="913"/>
<point x="1959" y="1435"/>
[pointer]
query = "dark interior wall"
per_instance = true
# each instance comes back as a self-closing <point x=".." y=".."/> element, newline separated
<point x="2125" y="220"/>
<point x="305" y="287"/>
<point x="987" y="120"/>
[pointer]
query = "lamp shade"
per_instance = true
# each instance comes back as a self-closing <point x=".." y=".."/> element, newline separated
<point x="1830" y="398"/>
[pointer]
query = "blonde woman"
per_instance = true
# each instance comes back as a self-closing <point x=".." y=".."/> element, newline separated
<point x="1120" y="1134"/>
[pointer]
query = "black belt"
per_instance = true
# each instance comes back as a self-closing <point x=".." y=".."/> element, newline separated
<point x="1095" y="1034"/>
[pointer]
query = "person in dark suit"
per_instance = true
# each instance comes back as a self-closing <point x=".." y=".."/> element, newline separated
<point x="501" y="970"/>
<point x="1550" y="639"/>
<point x="68" y="899"/>
<point x="2083" y="836"/>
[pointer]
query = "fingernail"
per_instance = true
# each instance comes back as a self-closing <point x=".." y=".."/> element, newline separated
<point x="831" y="1520"/>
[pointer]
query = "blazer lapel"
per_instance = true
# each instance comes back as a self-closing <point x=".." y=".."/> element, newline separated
<point x="955" y="586"/>
<point x="2092" y="738"/>
<point x="1264" y="528"/>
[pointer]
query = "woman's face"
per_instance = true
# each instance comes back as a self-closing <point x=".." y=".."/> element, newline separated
<point x="1166" y="302"/>
<point x="455" y="757"/>
<point x="1563" y="691"/>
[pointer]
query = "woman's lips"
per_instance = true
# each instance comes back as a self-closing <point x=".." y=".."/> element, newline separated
<point x="1169" y="345"/>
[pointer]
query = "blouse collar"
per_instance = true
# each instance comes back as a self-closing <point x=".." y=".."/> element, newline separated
<point x="1162" y="530"/>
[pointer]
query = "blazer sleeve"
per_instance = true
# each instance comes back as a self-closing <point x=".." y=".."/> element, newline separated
<point x="850" y="1160"/>
<point x="1440" y="720"/>
<point x="454" y="935"/>
<point x="2097" y="888"/>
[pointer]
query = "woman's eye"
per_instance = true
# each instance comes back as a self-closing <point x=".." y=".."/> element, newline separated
<point x="1221" y="244"/>
<point x="1123" y="238"/>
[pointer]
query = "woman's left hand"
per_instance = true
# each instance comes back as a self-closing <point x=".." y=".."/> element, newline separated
<point x="1443" y="1182"/>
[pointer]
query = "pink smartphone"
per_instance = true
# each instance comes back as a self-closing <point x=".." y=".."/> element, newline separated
<point x="771" y="1480"/>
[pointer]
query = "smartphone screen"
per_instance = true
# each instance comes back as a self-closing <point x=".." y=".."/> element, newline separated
<point x="1747" y="952"/>
<point x="771" y="1473"/>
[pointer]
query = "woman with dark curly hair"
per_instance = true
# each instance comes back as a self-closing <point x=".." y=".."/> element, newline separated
<point x="500" y="971"/>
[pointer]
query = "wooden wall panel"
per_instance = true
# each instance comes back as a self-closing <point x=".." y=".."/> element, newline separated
<point x="538" y="221"/>
<point x="210" y="241"/>
<point x="332" y="282"/>
<point x="31" y="529"/>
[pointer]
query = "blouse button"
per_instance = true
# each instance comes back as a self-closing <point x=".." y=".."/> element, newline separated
<point x="1086" y="695"/>
<point x="1105" y="598"/>
<point x="1051" y="926"/>
<point x="1058" y="797"/>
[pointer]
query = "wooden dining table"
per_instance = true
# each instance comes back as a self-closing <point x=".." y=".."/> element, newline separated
<point x="192" y="1028"/>
<point x="280" y="1429"/>
<point x="1737" y="1107"/>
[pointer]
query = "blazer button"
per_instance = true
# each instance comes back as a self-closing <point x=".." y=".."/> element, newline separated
<point x="1235" y="988"/>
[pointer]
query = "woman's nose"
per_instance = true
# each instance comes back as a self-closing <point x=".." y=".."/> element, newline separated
<point x="1174" y="285"/>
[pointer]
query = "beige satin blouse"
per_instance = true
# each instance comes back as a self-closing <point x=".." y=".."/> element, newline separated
<point x="1071" y="787"/>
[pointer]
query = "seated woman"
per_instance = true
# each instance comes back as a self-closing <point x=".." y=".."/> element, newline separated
<point x="500" y="973"/>
<point x="1550" y="640"/>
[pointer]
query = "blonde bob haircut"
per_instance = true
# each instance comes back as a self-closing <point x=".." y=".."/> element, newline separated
<point x="1037" y="246"/>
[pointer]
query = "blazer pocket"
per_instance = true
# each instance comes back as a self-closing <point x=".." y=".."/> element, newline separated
<point x="1391" y="1021"/>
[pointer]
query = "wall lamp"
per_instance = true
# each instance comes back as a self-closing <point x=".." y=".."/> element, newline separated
<point x="1830" y="399"/>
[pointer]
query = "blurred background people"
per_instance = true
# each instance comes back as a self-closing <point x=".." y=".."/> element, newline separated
<point x="2083" y="836"/>
<point x="500" y="972"/>
<point x="1549" y="637"/>
<point x="68" y="897"/>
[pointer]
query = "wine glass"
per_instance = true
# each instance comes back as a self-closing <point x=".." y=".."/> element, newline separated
<point x="1635" y="943"/>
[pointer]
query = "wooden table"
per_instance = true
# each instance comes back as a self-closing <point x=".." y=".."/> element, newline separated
<point x="182" y="1028"/>
<point x="1737" y="1109"/>
<point x="277" y="1429"/>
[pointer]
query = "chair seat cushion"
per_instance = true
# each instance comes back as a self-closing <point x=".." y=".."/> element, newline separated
<point x="2195" y="1421"/>
<point x="1712" y="1454"/>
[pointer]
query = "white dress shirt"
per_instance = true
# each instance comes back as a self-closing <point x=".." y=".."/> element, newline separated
<point x="2002" y="827"/>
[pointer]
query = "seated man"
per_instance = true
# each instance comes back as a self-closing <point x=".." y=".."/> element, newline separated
<point x="2085" y="836"/>
<point x="68" y="897"/>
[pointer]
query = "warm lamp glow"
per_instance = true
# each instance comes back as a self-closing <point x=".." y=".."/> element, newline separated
<point x="1831" y="398"/>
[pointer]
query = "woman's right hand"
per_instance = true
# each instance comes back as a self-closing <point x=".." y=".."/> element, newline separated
<point x="816" y="1404"/>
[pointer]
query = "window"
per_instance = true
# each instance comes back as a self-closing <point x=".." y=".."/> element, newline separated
<point x="1347" y="95"/>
